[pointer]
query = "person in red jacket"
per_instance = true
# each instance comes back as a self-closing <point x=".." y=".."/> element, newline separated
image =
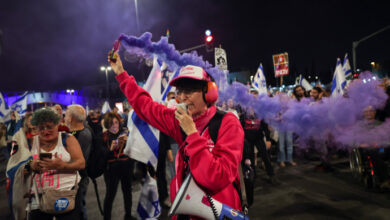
<point x="214" y="166"/>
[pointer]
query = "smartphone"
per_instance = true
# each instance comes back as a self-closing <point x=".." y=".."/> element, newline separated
<point x="182" y="105"/>
<point x="45" y="155"/>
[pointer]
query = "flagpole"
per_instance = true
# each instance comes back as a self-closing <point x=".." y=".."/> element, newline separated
<point x="136" y="15"/>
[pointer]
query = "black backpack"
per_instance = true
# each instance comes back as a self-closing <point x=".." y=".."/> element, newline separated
<point x="97" y="161"/>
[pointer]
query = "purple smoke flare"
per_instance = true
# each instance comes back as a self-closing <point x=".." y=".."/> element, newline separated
<point x="337" y="117"/>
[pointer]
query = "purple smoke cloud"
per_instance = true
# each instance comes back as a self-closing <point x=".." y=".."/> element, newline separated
<point x="337" y="117"/>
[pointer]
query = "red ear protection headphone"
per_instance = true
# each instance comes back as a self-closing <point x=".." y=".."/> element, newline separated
<point x="210" y="93"/>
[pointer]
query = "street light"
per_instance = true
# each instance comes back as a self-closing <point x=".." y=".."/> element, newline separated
<point x="70" y="91"/>
<point x="356" y="43"/>
<point x="106" y="69"/>
<point x="372" y="66"/>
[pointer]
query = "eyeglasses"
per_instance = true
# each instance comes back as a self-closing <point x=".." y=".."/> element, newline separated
<point x="186" y="91"/>
<point x="46" y="127"/>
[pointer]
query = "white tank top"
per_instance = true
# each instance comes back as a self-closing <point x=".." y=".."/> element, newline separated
<point x="63" y="180"/>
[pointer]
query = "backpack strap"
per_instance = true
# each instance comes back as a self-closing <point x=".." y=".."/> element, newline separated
<point x="215" y="124"/>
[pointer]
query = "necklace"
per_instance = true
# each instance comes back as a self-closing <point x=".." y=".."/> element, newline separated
<point x="48" y="146"/>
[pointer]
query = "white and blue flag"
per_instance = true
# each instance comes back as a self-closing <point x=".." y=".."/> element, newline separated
<point x="143" y="141"/>
<point x="347" y="67"/>
<point x="20" y="105"/>
<point x="4" y="110"/>
<point x="339" y="82"/>
<point x="304" y="83"/>
<point x="166" y="76"/>
<point x="149" y="204"/>
<point x="259" y="81"/>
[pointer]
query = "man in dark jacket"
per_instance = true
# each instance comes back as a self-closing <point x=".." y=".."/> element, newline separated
<point x="75" y="117"/>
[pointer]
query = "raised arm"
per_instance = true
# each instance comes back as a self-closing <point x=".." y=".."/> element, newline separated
<point x="155" y="114"/>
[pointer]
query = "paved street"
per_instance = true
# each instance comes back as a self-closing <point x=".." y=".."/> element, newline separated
<point x="303" y="193"/>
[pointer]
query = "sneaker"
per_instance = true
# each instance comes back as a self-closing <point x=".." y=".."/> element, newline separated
<point x="292" y="163"/>
<point x="282" y="165"/>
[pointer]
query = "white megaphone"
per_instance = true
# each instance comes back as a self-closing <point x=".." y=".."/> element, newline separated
<point x="191" y="200"/>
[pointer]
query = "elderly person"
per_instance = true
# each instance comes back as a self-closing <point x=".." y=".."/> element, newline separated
<point x="75" y="117"/>
<point x="213" y="163"/>
<point x="59" y="169"/>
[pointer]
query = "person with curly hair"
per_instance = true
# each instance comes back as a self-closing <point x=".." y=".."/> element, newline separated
<point x="60" y="169"/>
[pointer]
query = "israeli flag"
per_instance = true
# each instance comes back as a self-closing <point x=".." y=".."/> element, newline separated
<point x="347" y="67"/>
<point x="339" y="82"/>
<point x="143" y="141"/>
<point x="258" y="82"/>
<point x="19" y="156"/>
<point x="20" y="105"/>
<point x="166" y="77"/>
<point x="149" y="204"/>
<point x="304" y="83"/>
<point x="4" y="110"/>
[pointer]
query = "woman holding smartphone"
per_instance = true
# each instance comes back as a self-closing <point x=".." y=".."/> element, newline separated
<point x="119" y="167"/>
<point x="56" y="160"/>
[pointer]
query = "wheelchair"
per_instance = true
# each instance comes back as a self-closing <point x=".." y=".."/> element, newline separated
<point x="370" y="166"/>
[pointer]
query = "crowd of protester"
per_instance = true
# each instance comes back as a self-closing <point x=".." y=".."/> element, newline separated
<point x="69" y="138"/>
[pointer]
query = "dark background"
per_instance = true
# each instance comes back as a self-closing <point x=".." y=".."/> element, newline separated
<point x="57" y="44"/>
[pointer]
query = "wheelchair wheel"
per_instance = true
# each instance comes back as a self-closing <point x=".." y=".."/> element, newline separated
<point x="371" y="182"/>
<point x="356" y="164"/>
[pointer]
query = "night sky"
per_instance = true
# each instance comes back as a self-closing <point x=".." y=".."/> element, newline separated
<point x="60" y="44"/>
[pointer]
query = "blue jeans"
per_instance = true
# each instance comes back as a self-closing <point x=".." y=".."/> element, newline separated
<point x="285" y="140"/>
<point x="171" y="165"/>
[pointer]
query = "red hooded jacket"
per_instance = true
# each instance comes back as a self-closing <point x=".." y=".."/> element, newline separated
<point x="213" y="166"/>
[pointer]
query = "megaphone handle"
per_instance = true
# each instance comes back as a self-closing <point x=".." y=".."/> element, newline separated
<point x="212" y="206"/>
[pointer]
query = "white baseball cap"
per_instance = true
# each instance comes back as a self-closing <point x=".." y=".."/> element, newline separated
<point x="191" y="72"/>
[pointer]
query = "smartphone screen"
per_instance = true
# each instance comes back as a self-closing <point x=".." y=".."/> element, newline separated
<point x="45" y="155"/>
